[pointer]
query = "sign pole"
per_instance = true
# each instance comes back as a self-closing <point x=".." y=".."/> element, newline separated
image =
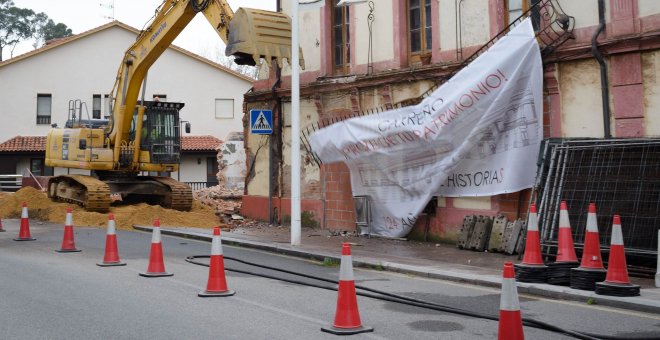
<point x="295" y="128"/>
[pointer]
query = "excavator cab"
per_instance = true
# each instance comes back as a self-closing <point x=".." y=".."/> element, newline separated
<point x="160" y="132"/>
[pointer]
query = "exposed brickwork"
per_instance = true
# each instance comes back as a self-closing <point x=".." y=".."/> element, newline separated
<point x="339" y="205"/>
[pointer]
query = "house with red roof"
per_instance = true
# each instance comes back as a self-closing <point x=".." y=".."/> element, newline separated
<point x="36" y="89"/>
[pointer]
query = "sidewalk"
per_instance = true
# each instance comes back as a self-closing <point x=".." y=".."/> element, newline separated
<point x="440" y="261"/>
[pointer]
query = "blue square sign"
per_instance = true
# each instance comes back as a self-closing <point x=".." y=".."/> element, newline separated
<point x="261" y="122"/>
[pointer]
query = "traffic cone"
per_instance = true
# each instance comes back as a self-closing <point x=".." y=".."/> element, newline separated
<point x="559" y="272"/>
<point x="111" y="257"/>
<point x="68" y="244"/>
<point x="510" y="325"/>
<point x="217" y="284"/>
<point x="156" y="265"/>
<point x="532" y="268"/>
<point x="591" y="268"/>
<point x="1" y="229"/>
<point x="617" y="282"/>
<point x="24" y="231"/>
<point x="347" y="317"/>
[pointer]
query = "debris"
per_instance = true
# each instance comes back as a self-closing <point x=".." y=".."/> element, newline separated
<point x="43" y="209"/>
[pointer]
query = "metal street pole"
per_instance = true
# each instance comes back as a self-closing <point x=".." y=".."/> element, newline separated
<point x="295" y="128"/>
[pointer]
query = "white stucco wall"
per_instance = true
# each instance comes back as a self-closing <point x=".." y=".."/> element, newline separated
<point x="309" y="33"/>
<point x="190" y="170"/>
<point x="474" y="24"/>
<point x="382" y="32"/>
<point x="581" y="101"/>
<point x="87" y="66"/>
<point x="651" y="80"/>
<point x="648" y="7"/>
<point x="585" y="12"/>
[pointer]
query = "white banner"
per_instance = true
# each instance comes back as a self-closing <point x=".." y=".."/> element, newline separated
<point x="476" y="135"/>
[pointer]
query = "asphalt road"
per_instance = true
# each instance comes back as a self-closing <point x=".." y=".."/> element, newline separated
<point x="49" y="295"/>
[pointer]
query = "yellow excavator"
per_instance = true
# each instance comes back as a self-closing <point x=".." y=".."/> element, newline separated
<point x="143" y="136"/>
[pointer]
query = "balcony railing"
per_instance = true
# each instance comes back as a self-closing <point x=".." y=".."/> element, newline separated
<point x="43" y="119"/>
<point x="200" y="185"/>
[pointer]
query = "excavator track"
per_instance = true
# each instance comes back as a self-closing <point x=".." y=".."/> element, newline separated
<point x="86" y="191"/>
<point x="180" y="196"/>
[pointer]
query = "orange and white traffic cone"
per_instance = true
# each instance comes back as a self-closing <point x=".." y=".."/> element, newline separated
<point x="559" y="272"/>
<point x="24" y="231"/>
<point x="617" y="282"/>
<point x="532" y="269"/>
<point x="347" y="316"/>
<point x="591" y="268"/>
<point x="510" y="326"/>
<point x="111" y="257"/>
<point x="156" y="265"/>
<point x="68" y="243"/>
<point x="566" y="249"/>
<point x="217" y="283"/>
<point x="2" y="230"/>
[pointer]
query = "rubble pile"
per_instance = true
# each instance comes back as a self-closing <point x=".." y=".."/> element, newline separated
<point x="224" y="201"/>
<point x="41" y="208"/>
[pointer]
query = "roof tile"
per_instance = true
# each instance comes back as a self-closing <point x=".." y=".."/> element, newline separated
<point x="24" y="143"/>
<point x="199" y="143"/>
<point x="38" y="143"/>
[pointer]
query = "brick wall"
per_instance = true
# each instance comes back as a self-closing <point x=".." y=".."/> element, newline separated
<point x="339" y="205"/>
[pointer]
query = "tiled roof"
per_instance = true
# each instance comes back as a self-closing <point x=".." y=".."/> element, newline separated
<point x="24" y="144"/>
<point x="38" y="143"/>
<point x="199" y="143"/>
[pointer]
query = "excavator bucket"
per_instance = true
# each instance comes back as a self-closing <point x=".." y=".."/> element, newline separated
<point x="255" y="34"/>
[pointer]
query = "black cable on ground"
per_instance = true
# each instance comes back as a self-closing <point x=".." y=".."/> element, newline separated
<point x="385" y="296"/>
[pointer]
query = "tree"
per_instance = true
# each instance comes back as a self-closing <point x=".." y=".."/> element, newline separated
<point x="47" y="29"/>
<point x="16" y="24"/>
<point x="19" y="24"/>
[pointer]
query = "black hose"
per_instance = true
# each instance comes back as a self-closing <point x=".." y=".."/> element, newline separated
<point x="385" y="296"/>
<point x="198" y="7"/>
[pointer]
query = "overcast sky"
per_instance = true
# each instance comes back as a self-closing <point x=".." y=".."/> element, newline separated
<point x="82" y="15"/>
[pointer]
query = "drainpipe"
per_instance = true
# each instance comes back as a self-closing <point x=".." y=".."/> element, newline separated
<point x="604" y="83"/>
<point x="277" y="108"/>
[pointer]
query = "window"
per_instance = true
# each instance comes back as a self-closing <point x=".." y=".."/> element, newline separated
<point x="341" y="44"/>
<point x="211" y="171"/>
<point x="107" y="107"/>
<point x="44" y="102"/>
<point x="96" y="106"/>
<point x="515" y="8"/>
<point x="38" y="169"/>
<point x="224" y="108"/>
<point x="420" y="34"/>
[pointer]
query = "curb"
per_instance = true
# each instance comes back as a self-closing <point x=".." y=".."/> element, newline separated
<point x="541" y="290"/>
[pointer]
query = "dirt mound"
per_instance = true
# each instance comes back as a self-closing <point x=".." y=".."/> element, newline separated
<point x="40" y="207"/>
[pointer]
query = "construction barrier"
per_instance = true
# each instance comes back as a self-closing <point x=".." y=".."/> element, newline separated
<point x="68" y="242"/>
<point x="559" y="272"/>
<point x="111" y="257"/>
<point x="217" y="283"/>
<point x="156" y="264"/>
<point x="617" y="282"/>
<point x="347" y="316"/>
<point x="532" y="269"/>
<point x="510" y="324"/>
<point x="591" y="268"/>
<point x="24" y="231"/>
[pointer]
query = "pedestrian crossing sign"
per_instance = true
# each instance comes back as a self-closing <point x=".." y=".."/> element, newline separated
<point x="261" y="122"/>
